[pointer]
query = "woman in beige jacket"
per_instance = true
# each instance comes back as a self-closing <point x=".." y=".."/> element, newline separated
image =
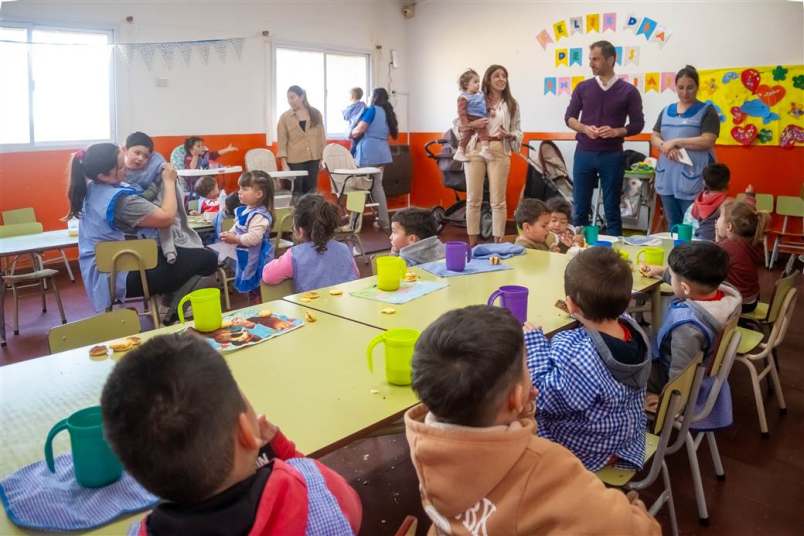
<point x="301" y="137"/>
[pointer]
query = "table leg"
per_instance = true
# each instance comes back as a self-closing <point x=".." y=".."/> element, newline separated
<point x="656" y="309"/>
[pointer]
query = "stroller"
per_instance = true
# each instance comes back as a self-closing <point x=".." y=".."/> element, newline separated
<point x="548" y="176"/>
<point x="455" y="179"/>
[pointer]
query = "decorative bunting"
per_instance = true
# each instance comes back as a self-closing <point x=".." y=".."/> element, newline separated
<point x="550" y="85"/>
<point x="619" y="52"/>
<point x="646" y="27"/>
<point x="564" y="85"/>
<point x="544" y="39"/>
<point x="668" y="81"/>
<point x="660" y="36"/>
<point x="652" y="82"/>
<point x="220" y="49"/>
<point x="576" y="25"/>
<point x="168" y="53"/>
<point x="609" y="22"/>
<point x="631" y="56"/>
<point x="562" y="57"/>
<point x="560" y="29"/>
<point x="576" y="80"/>
<point x="593" y="22"/>
<point x="237" y="45"/>
<point x="575" y="56"/>
<point x="203" y="51"/>
<point x="186" y="50"/>
<point x="147" y="54"/>
<point x="645" y="82"/>
<point x="631" y="22"/>
<point x="126" y="52"/>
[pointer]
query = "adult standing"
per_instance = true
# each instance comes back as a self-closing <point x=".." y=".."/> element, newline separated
<point x="505" y="134"/>
<point x="691" y="125"/>
<point x="372" y="150"/>
<point x="301" y="138"/>
<point x="597" y="112"/>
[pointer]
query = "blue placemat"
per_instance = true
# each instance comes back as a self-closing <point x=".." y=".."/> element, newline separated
<point x="406" y="292"/>
<point x="476" y="266"/>
<point x="35" y="498"/>
<point x="503" y="250"/>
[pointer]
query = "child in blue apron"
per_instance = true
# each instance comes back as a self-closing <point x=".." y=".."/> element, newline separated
<point x="251" y="231"/>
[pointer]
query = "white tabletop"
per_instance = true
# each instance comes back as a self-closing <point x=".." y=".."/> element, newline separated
<point x="357" y="171"/>
<point x="287" y="174"/>
<point x="16" y="245"/>
<point x="213" y="171"/>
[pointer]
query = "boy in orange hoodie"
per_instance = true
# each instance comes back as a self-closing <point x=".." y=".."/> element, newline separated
<point x="481" y="468"/>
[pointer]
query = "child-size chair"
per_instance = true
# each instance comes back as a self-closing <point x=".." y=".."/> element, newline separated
<point x="28" y="215"/>
<point x="350" y="232"/>
<point x="130" y="256"/>
<point x="339" y="163"/>
<point x="791" y="208"/>
<point x="93" y="330"/>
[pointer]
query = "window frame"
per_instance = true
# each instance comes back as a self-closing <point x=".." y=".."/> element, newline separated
<point x="33" y="145"/>
<point x="324" y="49"/>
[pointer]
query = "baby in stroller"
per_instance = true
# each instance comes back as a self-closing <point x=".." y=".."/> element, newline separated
<point x="472" y="106"/>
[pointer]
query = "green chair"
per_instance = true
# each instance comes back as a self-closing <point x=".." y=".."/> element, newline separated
<point x="350" y="233"/>
<point x="790" y="208"/>
<point x="283" y="224"/>
<point x="276" y="292"/>
<point x="130" y="256"/>
<point x="27" y="215"/>
<point x="676" y="405"/>
<point x="103" y="327"/>
<point x="766" y="313"/>
<point x="764" y="202"/>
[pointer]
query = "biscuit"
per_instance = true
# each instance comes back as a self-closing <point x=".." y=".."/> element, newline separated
<point x="265" y="313"/>
<point x="388" y="311"/>
<point x="561" y="304"/>
<point x="335" y="292"/>
<point x="120" y="346"/>
<point x="494" y="259"/>
<point x="411" y="277"/>
<point x="99" y="351"/>
<point x="311" y="295"/>
<point x="134" y="340"/>
<point x="309" y="317"/>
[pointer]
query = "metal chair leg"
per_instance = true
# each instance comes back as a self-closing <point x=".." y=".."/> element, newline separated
<point x="43" y="288"/>
<point x="58" y="300"/>
<point x="67" y="265"/>
<point x="720" y="472"/>
<point x="777" y="385"/>
<point x="16" y="310"/>
<point x="697" y="483"/>
<point x="225" y="285"/>
<point x="671" y="507"/>
<point x="758" y="398"/>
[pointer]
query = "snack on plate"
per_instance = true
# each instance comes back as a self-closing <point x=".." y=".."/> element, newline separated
<point x="134" y="340"/>
<point x="120" y="346"/>
<point x="99" y="351"/>
<point x="561" y="304"/>
<point x="335" y="292"/>
<point x="494" y="259"/>
<point x="388" y="311"/>
<point x="411" y="277"/>
<point x="309" y="317"/>
<point x="265" y="313"/>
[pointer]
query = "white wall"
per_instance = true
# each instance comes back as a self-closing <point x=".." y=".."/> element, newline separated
<point x="231" y="97"/>
<point x="448" y="36"/>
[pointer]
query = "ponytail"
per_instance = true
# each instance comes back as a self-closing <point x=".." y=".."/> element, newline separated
<point x="98" y="159"/>
<point x="77" y="189"/>
<point x="317" y="219"/>
<point x="746" y="222"/>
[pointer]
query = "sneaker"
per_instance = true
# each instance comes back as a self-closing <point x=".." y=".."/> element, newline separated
<point x="485" y="154"/>
<point x="460" y="156"/>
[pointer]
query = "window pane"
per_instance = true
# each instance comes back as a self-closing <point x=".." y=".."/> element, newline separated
<point x="72" y="86"/>
<point x="343" y="73"/>
<point x="14" y="88"/>
<point x="299" y="68"/>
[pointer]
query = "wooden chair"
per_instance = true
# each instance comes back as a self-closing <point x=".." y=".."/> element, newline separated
<point x="103" y="327"/>
<point x="27" y="215"/>
<point x="350" y="233"/>
<point x="675" y="405"/>
<point x="130" y="256"/>
<point x="276" y="292"/>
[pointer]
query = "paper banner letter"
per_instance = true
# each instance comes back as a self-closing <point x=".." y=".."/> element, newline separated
<point x="575" y="81"/>
<point x="550" y="85"/>
<point x="576" y="25"/>
<point x="660" y="36"/>
<point x="668" y="82"/>
<point x="652" y="82"/>
<point x="631" y="56"/>
<point x="562" y="57"/>
<point x="575" y="56"/>
<point x="646" y="27"/>
<point x="619" y="52"/>
<point x="564" y="85"/>
<point x="560" y="29"/>
<point x="544" y="39"/>
<point x="631" y="22"/>
<point x="609" y="22"/>
<point x="593" y="22"/>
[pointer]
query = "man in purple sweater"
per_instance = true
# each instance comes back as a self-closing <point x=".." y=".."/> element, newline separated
<point x="597" y="112"/>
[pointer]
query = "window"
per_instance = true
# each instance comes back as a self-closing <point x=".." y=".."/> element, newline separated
<point x="327" y="77"/>
<point x="57" y="86"/>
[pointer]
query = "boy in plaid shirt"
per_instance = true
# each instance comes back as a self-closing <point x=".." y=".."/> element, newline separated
<point x="591" y="380"/>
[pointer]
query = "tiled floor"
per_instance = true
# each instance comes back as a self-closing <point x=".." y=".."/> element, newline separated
<point x="762" y="494"/>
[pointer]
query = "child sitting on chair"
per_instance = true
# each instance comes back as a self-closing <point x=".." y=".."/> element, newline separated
<point x="174" y="415"/>
<point x="318" y="261"/>
<point x="476" y="418"/>
<point x="560" y="216"/>
<point x="532" y="221"/>
<point x="739" y="230"/>
<point x="251" y="231"/>
<point x="471" y="106"/>
<point x="705" y="209"/>
<point x="198" y="156"/>
<point x="211" y="195"/>
<point x="414" y="236"/>
<point x="591" y="380"/>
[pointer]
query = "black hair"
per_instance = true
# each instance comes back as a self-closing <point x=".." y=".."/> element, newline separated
<point x="606" y="48"/>
<point x="465" y="77"/>
<point x="559" y="204"/>
<point x="189" y="142"/>
<point x="98" y="159"/>
<point x="205" y="185"/>
<point x="465" y="361"/>
<point x="317" y="218"/>
<point x="315" y="116"/>
<point x="264" y="182"/>
<point x="690" y="72"/>
<point x="140" y="138"/>
<point x="529" y="210"/>
<point x="170" y="408"/>
<point x="357" y="93"/>
<point x="417" y="221"/>
<point x="716" y="177"/>
<point x="380" y="98"/>
<point x="700" y="262"/>
<point x="599" y="281"/>
<point x="231" y="202"/>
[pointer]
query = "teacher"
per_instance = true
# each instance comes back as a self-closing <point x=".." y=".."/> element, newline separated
<point x="693" y="126"/>
<point x="505" y="134"/>
<point x="301" y="138"/>
<point x="377" y="122"/>
<point x="597" y="112"/>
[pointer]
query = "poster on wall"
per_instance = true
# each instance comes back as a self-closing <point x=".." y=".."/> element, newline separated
<point x="757" y="105"/>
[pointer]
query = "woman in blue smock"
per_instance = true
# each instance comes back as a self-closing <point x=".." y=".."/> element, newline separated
<point x="109" y="210"/>
<point x="693" y="126"/>
<point x="372" y="150"/>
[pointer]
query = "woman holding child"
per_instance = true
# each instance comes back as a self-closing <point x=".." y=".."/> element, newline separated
<point x="687" y="126"/>
<point x="504" y="135"/>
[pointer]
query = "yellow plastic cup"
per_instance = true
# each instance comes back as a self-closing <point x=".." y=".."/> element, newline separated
<point x="399" y="344"/>
<point x="206" y="305"/>
<point x="390" y="271"/>
<point x="652" y="255"/>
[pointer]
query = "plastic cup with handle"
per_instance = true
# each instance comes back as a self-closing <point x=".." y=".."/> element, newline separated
<point x="399" y="344"/>
<point x="206" y="305"/>
<point x="683" y="231"/>
<point x="514" y="298"/>
<point x="651" y="255"/>
<point x="457" y="255"/>
<point x="390" y="271"/>
<point x="93" y="460"/>
<point x="590" y="233"/>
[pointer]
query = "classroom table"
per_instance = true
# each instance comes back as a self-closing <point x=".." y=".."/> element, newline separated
<point x="199" y="223"/>
<point x="37" y="242"/>
<point x="206" y="172"/>
<point x="540" y="271"/>
<point x="319" y="393"/>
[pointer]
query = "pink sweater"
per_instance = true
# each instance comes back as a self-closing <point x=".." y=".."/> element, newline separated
<point x="280" y="269"/>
